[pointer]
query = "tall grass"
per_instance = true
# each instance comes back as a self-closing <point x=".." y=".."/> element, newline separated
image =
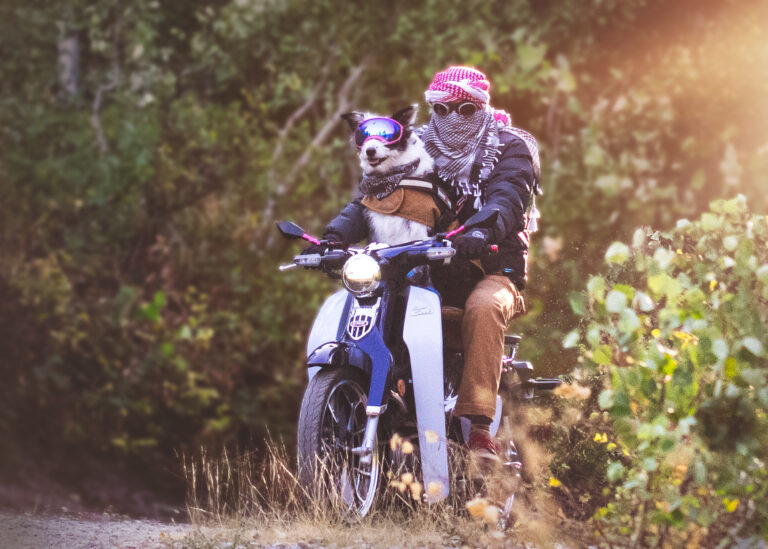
<point x="259" y="496"/>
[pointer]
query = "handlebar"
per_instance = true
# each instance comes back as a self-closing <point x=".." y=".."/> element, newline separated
<point x="332" y="259"/>
<point x="437" y="249"/>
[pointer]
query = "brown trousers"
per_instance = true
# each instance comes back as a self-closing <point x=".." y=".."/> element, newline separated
<point x="488" y="310"/>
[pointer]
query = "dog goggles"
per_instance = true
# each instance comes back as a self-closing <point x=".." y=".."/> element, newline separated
<point x="382" y="129"/>
<point x="464" y="109"/>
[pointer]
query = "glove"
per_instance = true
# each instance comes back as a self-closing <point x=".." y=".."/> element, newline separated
<point x="313" y="249"/>
<point x="471" y="245"/>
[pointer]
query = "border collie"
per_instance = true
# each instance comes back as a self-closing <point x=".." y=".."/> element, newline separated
<point x="393" y="157"/>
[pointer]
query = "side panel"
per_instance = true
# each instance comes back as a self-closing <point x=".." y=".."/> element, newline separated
<point x="329" y="320"/>
<point x="422" y="333"/>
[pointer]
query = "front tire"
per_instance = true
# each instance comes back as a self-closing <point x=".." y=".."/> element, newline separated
<point x="331" y="424"/>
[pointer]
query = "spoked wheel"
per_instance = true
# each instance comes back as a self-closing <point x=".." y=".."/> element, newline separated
<point x="331" y="430"/>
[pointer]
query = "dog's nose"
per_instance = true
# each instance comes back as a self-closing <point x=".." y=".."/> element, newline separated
<point x="371" y="152"/>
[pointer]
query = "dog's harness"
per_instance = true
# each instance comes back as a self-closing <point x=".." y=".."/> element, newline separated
<point x="441" y="198"/>
<point x="429" y="186"/>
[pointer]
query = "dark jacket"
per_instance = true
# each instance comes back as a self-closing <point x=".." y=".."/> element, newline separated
<point x="508" y="189"/>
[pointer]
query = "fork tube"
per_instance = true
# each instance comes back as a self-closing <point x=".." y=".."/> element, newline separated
<point x="369" y="439"/>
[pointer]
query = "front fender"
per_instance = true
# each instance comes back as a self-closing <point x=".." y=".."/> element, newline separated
<point x="336" y="354"/>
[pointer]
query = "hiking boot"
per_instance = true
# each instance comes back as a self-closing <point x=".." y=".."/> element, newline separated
<point x="482" y="446"/>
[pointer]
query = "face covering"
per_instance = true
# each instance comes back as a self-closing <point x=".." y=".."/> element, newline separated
<point x="455" y="141"/>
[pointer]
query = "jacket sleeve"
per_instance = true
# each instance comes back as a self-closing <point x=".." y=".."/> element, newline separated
<point x="350" y="225"/>
<point x="509" y="189"/>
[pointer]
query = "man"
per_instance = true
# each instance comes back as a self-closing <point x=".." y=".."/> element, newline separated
<point x="487" y="164"/>
<point x="482" y="162"/>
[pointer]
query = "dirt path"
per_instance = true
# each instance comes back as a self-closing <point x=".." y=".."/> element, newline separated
<point x="87" y="531"/>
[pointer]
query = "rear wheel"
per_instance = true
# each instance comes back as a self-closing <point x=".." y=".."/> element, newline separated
<point x="331" y="428"/>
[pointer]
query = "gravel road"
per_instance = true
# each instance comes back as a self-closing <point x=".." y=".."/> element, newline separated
<point x="87" y="531"/>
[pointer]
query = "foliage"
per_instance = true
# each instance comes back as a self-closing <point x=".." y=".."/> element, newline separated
<point x="676" y="327"/>
<point x="141" y="310"/>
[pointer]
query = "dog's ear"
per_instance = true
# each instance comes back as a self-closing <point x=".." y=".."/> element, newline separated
<point x="353" y="119"/>
<point x="407" y="116"/>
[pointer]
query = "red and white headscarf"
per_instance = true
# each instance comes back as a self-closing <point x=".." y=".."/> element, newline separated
<point x="459" y="83"/>
<point x="456" y="142"/>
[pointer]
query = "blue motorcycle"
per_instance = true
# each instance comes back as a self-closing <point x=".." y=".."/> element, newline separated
<point x="383" y="376"/>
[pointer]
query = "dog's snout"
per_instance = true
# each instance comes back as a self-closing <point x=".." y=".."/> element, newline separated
<point x="371" y="152"/>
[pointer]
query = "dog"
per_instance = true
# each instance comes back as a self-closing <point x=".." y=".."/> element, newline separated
<point x="402" y="197"/>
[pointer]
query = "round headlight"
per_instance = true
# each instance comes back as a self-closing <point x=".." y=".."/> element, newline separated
<point x="361" y="274"/>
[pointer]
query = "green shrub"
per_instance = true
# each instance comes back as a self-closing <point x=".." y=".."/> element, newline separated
<point x="677" y="329"/>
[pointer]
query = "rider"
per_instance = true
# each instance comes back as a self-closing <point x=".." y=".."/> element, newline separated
<point x="485" y="163"/>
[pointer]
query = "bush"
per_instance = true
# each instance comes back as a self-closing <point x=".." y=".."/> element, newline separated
<point x="676" y="327"/>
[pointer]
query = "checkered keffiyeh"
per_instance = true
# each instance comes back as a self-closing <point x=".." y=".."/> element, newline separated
<point x="459" y="84"/>
<point x="457" y="142"/>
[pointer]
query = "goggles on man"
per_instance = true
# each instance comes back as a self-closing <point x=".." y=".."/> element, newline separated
<point x="466" y="108"/>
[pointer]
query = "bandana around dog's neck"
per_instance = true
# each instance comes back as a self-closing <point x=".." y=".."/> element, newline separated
<point x="456" y="142"/>
<point x="383" y="185"/>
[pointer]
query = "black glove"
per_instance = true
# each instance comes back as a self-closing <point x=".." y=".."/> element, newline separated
<point x="313" y="249"/>
<point x="471" y="245"/>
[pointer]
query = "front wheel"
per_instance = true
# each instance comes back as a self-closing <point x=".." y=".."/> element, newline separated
<point x="331" y="428"/>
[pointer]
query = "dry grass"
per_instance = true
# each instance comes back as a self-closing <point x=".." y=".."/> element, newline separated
<point x="250" y="500"/>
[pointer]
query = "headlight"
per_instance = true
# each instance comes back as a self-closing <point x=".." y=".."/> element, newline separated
<point x="361" y="274"/>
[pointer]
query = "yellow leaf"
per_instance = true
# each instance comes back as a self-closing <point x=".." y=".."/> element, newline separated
<point x="554" y="482"/>
<point x="416" y="490"/>
<point x="435" y="489"/>
<point x="712" y="285"/>
<point x="655" y="332"/>
<point x="730" y="504"/>
<point x="395" y="441"/>
<point x="477" y="507"/>
<point x="602" y="438"/>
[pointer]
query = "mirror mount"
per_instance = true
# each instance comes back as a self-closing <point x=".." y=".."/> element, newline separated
<point x="484" y="219"/>
<point x="292" y="231"/>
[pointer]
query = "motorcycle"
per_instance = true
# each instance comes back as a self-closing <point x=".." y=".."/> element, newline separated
<point x="384" y="377"/>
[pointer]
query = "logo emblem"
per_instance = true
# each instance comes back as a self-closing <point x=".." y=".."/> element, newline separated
<point x="421" y="311"/>
<point x="361" y="323"/>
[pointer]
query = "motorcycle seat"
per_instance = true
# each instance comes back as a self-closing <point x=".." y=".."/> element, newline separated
<point x="451" y="317"/>
<point x="452" y="314"/>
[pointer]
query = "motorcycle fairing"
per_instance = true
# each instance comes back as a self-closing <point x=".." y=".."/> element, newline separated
<point x="422" y="333"/>
<point x="378" y="353"/>
<point x="329" y="324"/>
